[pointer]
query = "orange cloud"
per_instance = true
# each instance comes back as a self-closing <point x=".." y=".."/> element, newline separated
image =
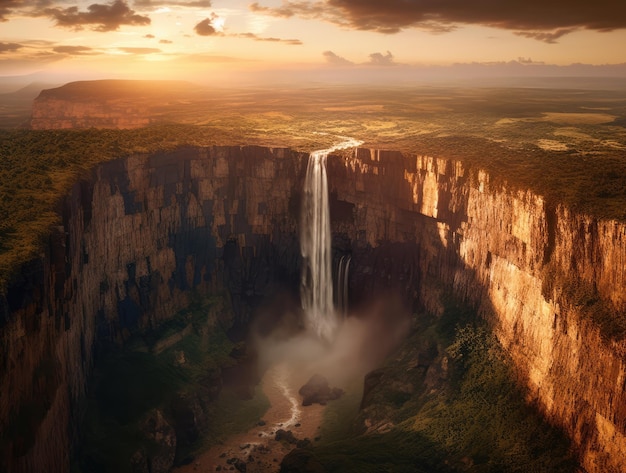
<point x="544" y="20"/>
<point x="205" y="27"/>
<point x="101" y="17"/>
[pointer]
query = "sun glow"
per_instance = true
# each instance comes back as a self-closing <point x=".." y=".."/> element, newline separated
<point x="218" y="23"/>
<point x="237" y="34"/>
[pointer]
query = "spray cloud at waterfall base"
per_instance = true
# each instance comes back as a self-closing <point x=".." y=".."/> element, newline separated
<point x="361" y="342"/>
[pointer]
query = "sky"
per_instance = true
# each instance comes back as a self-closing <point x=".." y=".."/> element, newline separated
<point x="211" y="38"/>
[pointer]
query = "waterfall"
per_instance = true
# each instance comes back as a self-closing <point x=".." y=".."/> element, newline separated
<point x="316" y="285"/>
<point x="341" y="287"/>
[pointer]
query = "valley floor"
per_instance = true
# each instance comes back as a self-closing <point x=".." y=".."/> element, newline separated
<point x="258" y="447"/>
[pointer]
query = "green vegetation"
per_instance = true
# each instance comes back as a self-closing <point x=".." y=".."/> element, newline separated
<point x="339" y="415"/>
<point x="591" y="184"/>
<point x="583" y="296"/>
<point x="127" y="384"/>
<point x="397" y="451"/>
<point x="231" y="415"/>
<point x="567" y="145"/>
<point x="37" y="168"/>
<point x="460" y="411"/>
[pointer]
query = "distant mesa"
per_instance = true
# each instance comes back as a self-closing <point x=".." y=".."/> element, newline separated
<point x="109" y="89"/>
<point x="116" y="104"/>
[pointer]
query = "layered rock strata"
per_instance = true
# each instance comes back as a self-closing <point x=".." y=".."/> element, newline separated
<point x="137" y="239"/>
<point x="52" y="113"/>
<point x="516" y="258"/>
<point x="144" y="232"/>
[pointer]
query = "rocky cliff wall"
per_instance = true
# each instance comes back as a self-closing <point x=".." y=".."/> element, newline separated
<point x="139" y="236"/>
<point x="142" y="233"/>
<point x="519" y="260"/>
<point x="50" y="113"/>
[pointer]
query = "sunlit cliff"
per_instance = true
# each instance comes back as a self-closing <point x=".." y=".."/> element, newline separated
<point x="139" y="234"/>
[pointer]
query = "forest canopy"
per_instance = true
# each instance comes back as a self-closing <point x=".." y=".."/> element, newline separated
<point x="37" y="168"/>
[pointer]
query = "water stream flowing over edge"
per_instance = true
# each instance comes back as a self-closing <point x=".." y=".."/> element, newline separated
<point x="316" y="286"/>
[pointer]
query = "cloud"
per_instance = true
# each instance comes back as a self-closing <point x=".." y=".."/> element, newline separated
<point x="27" y="7"/>
<point x="213" y="26"/>
<point x="165" y="41"/>
<point x="74" y="50"/>
<point x="100" y="17"/>
<point x="169" y="3"/>
<point x="528" y="60"/>
<point x="379" y="59"/>
<point x="140" y="50"/>
<point x="294" y="8"/>
<point x="335" y="60"/>
<point x="39" y="43"/>
<point x="211" y="58"/>
<point x="205" y="27"/>
<point x="544" y="20"/>
<point x="149" y="36"/>
<point x="7" y="7"/>
<point x="293" y="42"/>
<point x="549" y="37"/>
<point x="210" y="26"/>
<point x="9" y="47"/>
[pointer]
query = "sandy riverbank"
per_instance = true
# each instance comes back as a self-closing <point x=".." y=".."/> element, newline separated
<point x="258" y="447"/>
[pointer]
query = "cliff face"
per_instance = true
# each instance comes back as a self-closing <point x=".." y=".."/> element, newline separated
<point x="51" y="113"/>
<point x="143" y="232"/>
<point x="137" y="238"/>
<point x="515" y="258"/>
<point x="109" y="103"/>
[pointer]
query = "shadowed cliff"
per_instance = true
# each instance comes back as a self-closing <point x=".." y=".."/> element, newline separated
<point x="138" y="238"/>
<point x="140" y="234"/>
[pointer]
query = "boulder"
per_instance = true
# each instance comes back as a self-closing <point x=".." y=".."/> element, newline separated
<point x="317" y="390"/>
<point x="240" y="465"/>
<point x="286" y="435"/>
<point x="304" y="443"/>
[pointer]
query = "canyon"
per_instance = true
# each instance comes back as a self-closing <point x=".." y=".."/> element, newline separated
<point x="140" y="235"/>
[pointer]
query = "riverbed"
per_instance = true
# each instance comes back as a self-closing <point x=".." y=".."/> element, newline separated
<point x="257" y="447"/>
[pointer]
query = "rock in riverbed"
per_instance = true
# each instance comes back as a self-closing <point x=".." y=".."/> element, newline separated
<point x="317" y="390"/>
